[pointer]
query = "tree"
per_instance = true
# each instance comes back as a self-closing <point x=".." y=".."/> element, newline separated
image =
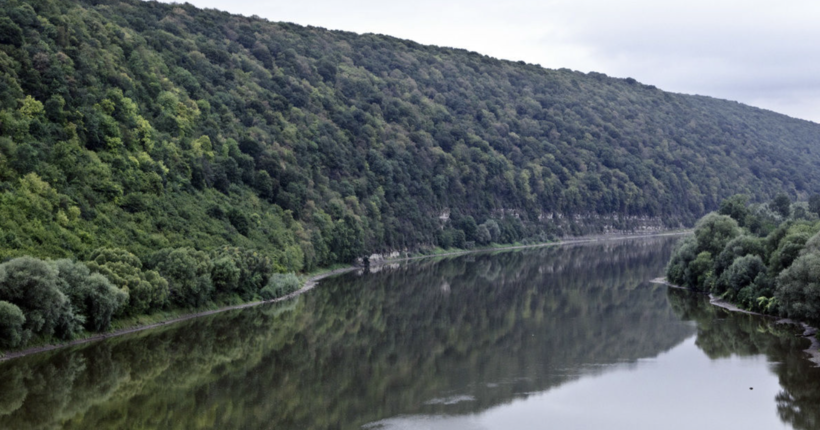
<point x="738" y="247"/>
<point x="735" y="207"/>
<point x="93" y="296"/>
<point x="714" y="231"/>
<point x="740" y="274"/>
<point x="781" y="204"/>
<point x="146" y="289"/>
<point x="188" y="272"/>
<point x="12" y="320"/>
<point x="814" y="204"/>
<point x="798" y="288"/>
<point x="32" y="285"/>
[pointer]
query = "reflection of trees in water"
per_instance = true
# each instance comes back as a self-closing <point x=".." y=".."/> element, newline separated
<point x="722" y="333"/>
<point x="361" y="348"/>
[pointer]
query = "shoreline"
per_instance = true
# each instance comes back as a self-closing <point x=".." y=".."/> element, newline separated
<point x="310" y="284"/>
<point x="809" y="332"/>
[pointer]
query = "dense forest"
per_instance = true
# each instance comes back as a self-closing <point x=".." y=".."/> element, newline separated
<point x="764" y="257"/>
<point x="181" y="157"/>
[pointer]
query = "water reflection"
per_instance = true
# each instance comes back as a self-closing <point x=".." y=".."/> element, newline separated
<point x="723" y="334"/>
<point x="447" y="338"/>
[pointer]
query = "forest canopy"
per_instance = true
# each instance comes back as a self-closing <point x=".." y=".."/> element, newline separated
<point x="175" y="156"/>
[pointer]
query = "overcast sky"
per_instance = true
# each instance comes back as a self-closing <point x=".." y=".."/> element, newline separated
<point x="762" y="53"/>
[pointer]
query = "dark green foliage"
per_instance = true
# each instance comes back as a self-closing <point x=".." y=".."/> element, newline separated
<point x="676" y="269"/>
<point x="781" y="205"/>
<point x="188" y="272"/>
<point x="92" y="295"/>
<point x="12" y="320"/>
<point x="814" y="204"/>
<point x="280" y="285"/>
<point x="735" y="207"/>
<point x="142" y="126"/>
<point x="714" y="231"/>
<point x="738" y="247"/>
<point x="739" y="272"/>
<point x="798" y="288"/>
<point x="240" y="271"/>
<point x="699" y="272"/>
<point x="787" y="251"/>
<point x="742" y="273"/>
<point x="33" y="286"/>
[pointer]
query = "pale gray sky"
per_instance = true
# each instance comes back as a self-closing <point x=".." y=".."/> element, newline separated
<point x="762" y="53"/>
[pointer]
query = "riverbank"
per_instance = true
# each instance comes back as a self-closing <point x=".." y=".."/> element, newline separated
<point x="809" y="332"/>
<point x="311" y="283"/>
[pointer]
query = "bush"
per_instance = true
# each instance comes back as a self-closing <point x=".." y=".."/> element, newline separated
<point x="12" y="333"/>
<point x="280" y="285"/>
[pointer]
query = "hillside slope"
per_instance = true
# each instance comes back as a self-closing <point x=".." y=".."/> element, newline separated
<point x="145" y="126"/>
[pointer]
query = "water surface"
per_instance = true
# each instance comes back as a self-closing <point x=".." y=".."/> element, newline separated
<point x="568" y="337"/>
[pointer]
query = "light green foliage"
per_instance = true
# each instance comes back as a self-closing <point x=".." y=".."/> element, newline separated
<point x="146" y="289"/>
<point x="12" y="320"/>
<point x="280" y="285"/>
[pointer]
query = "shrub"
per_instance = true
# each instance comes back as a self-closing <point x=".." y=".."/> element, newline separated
<point x="280" y="285"/>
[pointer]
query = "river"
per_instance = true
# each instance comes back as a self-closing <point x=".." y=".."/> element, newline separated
<point x="559" y="337"/>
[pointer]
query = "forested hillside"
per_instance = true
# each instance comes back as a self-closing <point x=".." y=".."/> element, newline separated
<point x="146" y="126"/>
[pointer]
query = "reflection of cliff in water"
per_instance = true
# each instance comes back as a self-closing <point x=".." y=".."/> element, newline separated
<point x="722" y="333"/>
<point x="457" y="335"/>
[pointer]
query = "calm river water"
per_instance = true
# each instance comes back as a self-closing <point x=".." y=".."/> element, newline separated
<point x="571" y="337"/>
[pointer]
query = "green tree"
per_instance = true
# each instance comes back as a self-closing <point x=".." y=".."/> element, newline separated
<point x="33" y="286"/>
<point x="798" y="289"/>
<point x="188" y="272"/>
<point x="781" y="204"/>
<point x="12" y="320"/>
<point x="92" y="295"/>
<point x="735" y="207"/>
<point x="714" y="231"/>
<point x="814" y="204"/>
